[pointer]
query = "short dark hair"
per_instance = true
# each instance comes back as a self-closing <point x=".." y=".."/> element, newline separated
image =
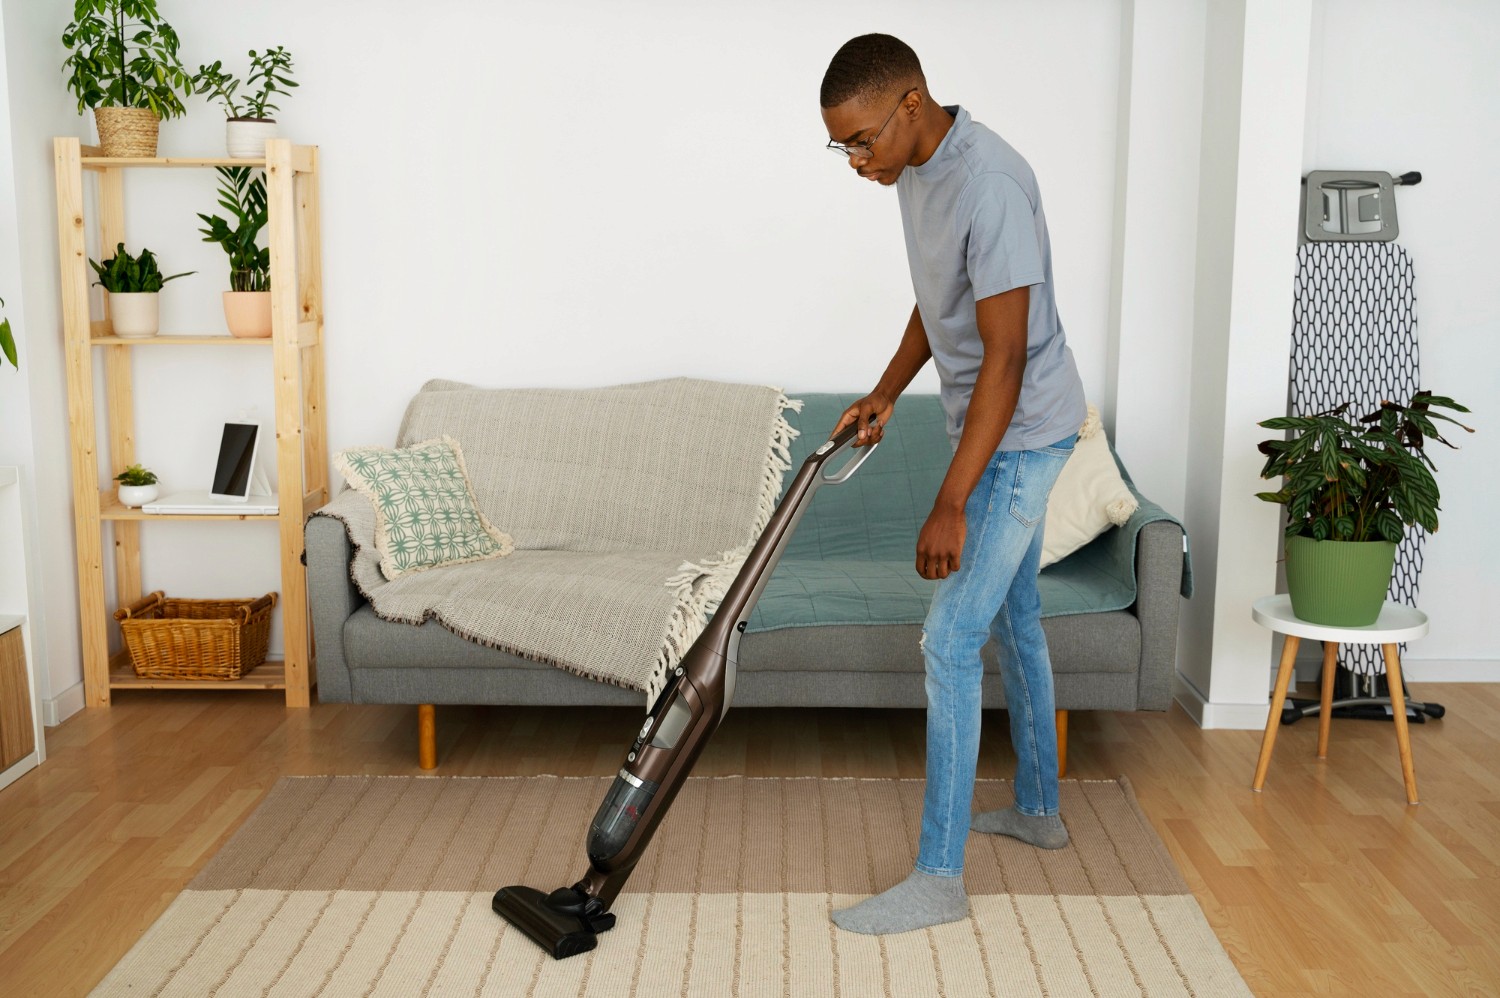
<point x="870" y="66"/>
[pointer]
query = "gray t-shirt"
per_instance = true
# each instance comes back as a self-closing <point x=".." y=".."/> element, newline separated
<point x="975" y="228"/>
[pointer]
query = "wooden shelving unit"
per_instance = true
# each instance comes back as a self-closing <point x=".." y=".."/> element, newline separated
<point x="296" y="345"/>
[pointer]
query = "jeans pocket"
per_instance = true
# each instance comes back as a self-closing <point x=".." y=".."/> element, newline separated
<point x="1036" y="470"/>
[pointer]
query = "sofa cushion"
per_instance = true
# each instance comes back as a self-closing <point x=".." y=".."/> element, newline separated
<point x="425" y="512"/>
<point x="1089" y="497"/>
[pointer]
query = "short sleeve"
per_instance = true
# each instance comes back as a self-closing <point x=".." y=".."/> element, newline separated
<point x="1003" y="252"/>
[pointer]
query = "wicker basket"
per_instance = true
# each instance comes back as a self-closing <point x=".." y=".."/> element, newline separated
<point x="127" y="131"/>
<point x="196" y="638"/>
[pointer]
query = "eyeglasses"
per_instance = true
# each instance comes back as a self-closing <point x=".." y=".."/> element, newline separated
<point x="862" y="149"/>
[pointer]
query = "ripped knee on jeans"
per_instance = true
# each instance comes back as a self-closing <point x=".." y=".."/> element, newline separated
<point x="922" y="641"/>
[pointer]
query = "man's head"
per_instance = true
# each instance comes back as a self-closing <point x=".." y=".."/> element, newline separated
<point x="873" y="99"/>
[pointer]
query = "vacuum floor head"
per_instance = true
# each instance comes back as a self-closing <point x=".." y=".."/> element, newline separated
<point x="561" y="934"/>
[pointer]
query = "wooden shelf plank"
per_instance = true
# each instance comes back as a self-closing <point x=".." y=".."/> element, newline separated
<point x="169" y="162"/>
<point x="223" y="339"/>
<point x="110" y="509"/>
<point x="269" y="675"/>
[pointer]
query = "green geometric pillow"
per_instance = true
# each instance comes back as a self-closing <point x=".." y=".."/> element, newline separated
<point x="425" y="511"/>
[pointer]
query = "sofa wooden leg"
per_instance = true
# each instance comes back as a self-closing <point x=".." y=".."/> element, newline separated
<point x="1062" y="744"/>
<point x="427" y="736"/>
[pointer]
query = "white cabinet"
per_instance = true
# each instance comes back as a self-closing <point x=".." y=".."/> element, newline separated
<point x="21" y="745"/>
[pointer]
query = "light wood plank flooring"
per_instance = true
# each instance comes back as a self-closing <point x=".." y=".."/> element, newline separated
<point x="1325" y="884"/>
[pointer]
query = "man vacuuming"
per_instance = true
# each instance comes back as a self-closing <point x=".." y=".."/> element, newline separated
<point x="981" y="267"/>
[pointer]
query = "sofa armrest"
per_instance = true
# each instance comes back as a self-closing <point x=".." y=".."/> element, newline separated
<point x="331" y="600"/>
<point x="1158" y="604"/>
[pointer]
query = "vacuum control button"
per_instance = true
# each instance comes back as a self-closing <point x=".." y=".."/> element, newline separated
<point x="825" y="448"/>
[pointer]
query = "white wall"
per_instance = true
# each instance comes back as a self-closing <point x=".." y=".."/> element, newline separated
<point x="559" y="194"/>
<point x="1394" y="92"/>
<point x="589" y="193"/>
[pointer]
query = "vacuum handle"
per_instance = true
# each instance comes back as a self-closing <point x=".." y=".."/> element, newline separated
<point x="839" y="443"/>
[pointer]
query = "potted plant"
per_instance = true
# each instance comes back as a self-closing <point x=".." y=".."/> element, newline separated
<point x="247" y="129"/>
<point x="132" y="284"/>
<point x="1350" y="489"/>
<point x="124" y="65"/>
<point x="137" y="486"/>
<point x="247" y="305"/>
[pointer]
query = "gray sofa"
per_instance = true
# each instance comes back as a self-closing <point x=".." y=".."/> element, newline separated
<point x="839" y="623"/>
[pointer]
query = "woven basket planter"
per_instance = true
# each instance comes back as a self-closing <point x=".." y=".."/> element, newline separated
<point x="196" y="638"/>
<point x="127" y="131"/>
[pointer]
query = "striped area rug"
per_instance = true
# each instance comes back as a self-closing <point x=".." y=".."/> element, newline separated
<point x="351" y="885"/>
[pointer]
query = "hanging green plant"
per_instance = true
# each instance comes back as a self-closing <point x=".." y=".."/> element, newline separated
<point x="8" y="341"/>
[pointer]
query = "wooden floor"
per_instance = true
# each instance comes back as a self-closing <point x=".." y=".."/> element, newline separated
<point x="1325" y="884"/>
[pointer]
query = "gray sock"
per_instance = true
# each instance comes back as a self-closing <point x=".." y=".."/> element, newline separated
<point x="1042" y="832"/>
<point x="917" y="902"/>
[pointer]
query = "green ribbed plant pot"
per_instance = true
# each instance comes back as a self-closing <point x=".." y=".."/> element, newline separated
<point x="1340" y="583"/>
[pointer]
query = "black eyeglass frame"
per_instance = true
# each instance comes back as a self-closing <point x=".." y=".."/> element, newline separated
<point x="862" y="149"/>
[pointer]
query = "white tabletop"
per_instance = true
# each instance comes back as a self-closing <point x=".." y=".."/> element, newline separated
<point x="1396" y="623"/>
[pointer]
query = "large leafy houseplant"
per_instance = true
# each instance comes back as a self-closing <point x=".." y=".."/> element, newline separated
<point x="123" y="61"/>
<point x="1360" y="481"/>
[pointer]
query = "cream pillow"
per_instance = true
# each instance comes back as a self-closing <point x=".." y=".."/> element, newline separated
<point x="425" y="511"/>
<point x="1089" y="496"/>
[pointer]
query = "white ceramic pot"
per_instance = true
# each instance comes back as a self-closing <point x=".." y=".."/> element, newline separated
<point x="246" y="137"/>
<point x="248" y="313"/>
<point x="137" y="495"/>
<point x="135" y="314"/>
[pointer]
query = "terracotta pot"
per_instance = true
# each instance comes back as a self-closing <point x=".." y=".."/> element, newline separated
<point x="248" y="313"/>
<point x="135" y="314"/>
<point x="127" y="131"/>
<point x="246" y="137"/>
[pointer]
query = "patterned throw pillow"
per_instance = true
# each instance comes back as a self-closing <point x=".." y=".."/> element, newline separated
<point x="425" y="511"/>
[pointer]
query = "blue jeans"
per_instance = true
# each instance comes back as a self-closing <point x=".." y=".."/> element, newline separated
<point x="993" y="594"/>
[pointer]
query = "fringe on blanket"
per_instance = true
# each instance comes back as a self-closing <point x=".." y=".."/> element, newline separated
<point x="700" y="587"/>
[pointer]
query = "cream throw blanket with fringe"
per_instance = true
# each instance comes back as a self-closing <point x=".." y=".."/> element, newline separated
<point x="632" y="508"/>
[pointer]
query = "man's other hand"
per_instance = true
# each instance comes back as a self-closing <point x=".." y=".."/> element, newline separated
<point x="941" y="542"/>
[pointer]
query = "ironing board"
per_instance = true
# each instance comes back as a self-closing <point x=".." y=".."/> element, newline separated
<point x="1354" y="339"/>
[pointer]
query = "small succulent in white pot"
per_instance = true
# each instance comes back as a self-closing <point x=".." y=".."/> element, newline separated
<point x="248" y="126"/>
<point x="137" y="486"/>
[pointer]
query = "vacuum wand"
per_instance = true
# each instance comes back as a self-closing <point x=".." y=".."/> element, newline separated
<point x="679" y="724"/>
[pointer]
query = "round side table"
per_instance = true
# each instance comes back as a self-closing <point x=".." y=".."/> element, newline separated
<point x="1396" y="623"/>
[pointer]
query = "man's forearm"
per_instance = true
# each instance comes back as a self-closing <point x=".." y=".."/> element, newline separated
<point x="910" y="357"/>
<point x="1002" y="323"/>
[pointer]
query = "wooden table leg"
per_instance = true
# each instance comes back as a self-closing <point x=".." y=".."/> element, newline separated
<point x="1330" y="667"/>
<point x="1398" y="705"/>
<point x="1283" y="680"/>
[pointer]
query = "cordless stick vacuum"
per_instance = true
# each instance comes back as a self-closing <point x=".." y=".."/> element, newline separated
<point x="680" y="723"/>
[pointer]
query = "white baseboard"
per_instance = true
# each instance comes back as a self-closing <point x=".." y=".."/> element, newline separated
<point x="1451" y="670"/>
<point x="63" y="706"/>
<point x="1207" y="714"/>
